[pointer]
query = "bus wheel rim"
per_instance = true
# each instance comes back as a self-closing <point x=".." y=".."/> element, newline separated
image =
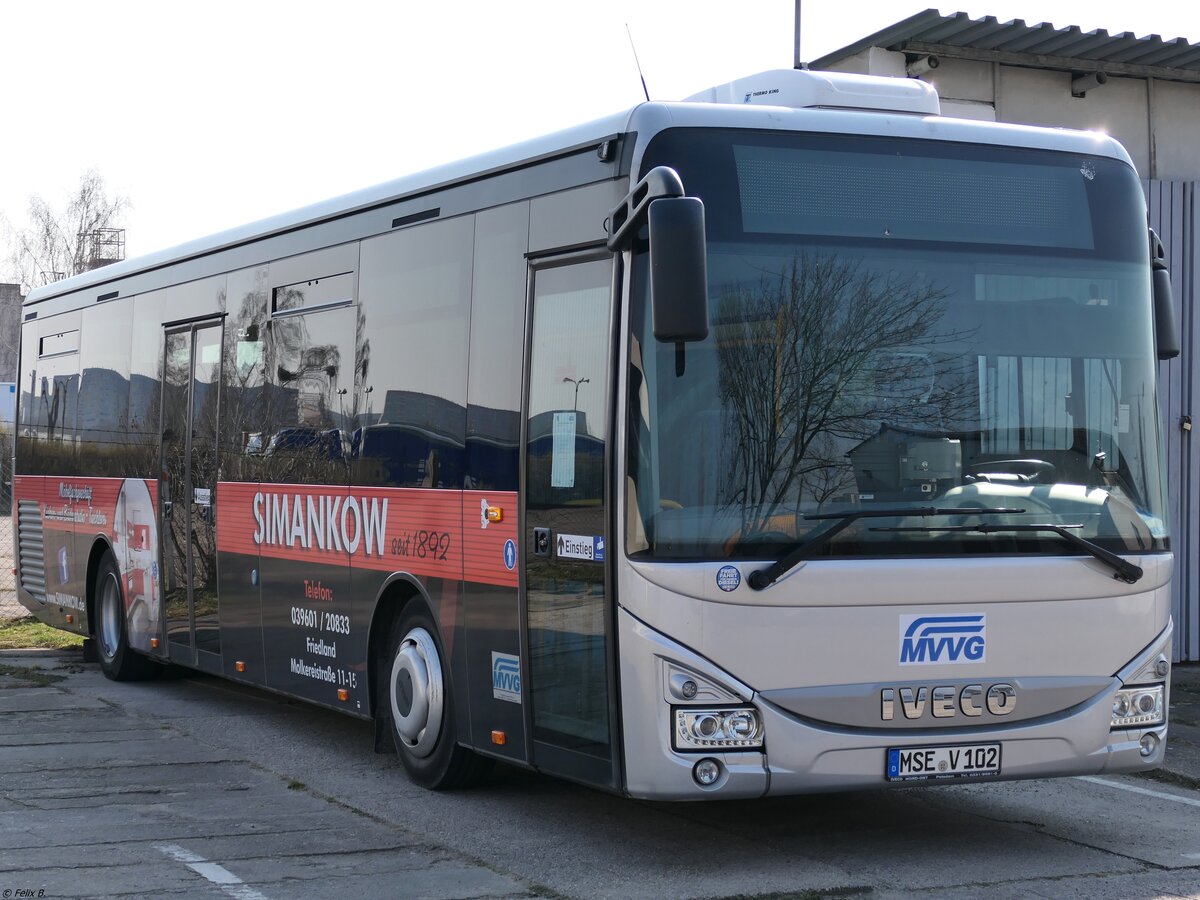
<point x="416" y="692"/>
<point x="110" y="616"/>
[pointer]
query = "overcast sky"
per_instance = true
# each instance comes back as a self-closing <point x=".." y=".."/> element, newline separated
<point x="210" y="115"/>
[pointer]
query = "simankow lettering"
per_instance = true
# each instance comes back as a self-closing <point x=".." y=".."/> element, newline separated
<point x="336" y="524"/>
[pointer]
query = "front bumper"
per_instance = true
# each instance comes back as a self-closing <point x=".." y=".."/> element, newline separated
<point x="802" y="756"/>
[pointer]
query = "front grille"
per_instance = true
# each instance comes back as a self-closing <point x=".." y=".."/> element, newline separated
<point x="31" y="548"/>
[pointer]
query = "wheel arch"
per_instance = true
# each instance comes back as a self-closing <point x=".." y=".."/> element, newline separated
<point x="395" y="594"/>
<point x="100" y="546"/>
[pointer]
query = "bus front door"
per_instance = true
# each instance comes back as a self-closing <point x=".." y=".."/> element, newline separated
<point x="567" y="616"/>
<point x="187" y="486"/>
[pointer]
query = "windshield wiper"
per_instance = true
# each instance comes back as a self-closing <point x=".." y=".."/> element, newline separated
<point x="764" y="578"/>
<point x="1123" y="568"/>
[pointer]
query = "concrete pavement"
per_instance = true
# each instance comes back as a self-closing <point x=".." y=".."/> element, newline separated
<point x="98" y="802"/>
<point x="1182" y="765"/>
<point x="198" y="787"/>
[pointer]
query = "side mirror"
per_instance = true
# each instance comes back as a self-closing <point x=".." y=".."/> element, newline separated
<point x="678" y="269"/>
<point x="1166" y="332"/>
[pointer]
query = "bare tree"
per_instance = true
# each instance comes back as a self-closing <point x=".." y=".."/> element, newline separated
<point x="56" y="242"/>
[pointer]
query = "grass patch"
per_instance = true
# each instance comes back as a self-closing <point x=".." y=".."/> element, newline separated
<point x="19" y="634"/>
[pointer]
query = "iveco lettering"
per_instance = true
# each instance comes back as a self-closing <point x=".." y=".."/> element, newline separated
<point x="947" y="701"/>
<point x="788" y="438"/>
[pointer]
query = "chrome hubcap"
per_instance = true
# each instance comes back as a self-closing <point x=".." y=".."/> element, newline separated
<point x="110" y="616"/>
<point x="416" y="692"/>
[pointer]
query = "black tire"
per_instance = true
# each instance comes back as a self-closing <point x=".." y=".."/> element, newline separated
<point x="117" y="659"/>
<point x="419" y="708"/>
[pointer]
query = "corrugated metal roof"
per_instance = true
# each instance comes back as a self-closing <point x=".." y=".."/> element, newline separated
<point x="1042" y="45"/>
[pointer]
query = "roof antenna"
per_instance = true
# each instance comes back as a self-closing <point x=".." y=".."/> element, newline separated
<point x="798" y="60"/>
<point x="637" y="62"/>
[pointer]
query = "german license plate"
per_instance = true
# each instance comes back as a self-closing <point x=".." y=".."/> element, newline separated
<point x="949" y="761"/>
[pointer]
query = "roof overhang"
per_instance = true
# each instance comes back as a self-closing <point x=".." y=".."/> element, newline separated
<point x="958" y="36"/>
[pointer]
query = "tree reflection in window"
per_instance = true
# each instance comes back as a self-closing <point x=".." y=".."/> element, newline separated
<point x="813" y="359"/>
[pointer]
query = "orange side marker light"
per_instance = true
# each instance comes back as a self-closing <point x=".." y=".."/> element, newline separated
<point x="343" y="694"/>
<point x="499" y="738"/>
<point x="239" y="666"/>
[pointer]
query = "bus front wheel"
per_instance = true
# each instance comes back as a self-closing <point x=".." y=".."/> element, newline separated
<point x="420" y="707"/>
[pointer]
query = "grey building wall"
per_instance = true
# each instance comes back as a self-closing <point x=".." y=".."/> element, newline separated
<point x="1153" y="118"/>
<point x="10" y="330"/>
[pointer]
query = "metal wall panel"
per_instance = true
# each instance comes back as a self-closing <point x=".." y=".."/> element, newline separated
<point x="1173" y="214"/>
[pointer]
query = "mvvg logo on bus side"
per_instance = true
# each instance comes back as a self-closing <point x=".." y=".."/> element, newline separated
<point x="506" y="677"/>
<point x="942" y="640"/>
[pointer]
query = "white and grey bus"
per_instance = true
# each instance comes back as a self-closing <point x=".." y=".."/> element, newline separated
<point x="790" y="438"/>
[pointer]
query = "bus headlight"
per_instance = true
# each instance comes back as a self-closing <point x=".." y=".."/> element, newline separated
<point x="1138" y="706"/>
<point x="707" y="729"/>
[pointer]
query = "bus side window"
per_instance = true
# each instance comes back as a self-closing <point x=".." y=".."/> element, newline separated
<point x="309" y="399"/>
<point x="415" y="287"/>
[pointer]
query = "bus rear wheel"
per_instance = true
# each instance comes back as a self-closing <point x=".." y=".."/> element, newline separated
<point x="118" y="661"/>
<point x="420" y="707"/>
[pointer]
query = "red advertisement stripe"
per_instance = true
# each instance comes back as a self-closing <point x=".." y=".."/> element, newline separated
<point x="432" y="533"/>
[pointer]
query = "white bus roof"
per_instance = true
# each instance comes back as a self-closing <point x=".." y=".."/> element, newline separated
<point x="821" y="102"/>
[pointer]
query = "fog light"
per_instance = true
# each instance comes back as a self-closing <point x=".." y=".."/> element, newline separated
<point x="1149" y="743"/>
<point x="706" y="772"/>
<point x="1138" y="706"/>
<point x="689" y="689"/>
<point x="1162" y="667"/>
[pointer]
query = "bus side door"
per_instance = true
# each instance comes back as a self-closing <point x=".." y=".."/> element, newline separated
<point x="565" y="523"/>
<point x="190" y="402"/>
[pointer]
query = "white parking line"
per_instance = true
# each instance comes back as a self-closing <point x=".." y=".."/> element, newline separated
<point x="1134" y="789"/>
<point x="218" y="875"/>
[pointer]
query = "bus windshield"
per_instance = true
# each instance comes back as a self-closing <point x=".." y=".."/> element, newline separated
<point x="898" y="323"/>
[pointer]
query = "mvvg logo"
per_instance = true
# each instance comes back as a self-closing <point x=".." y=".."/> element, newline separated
<point x="506" y="677"/>
<point x="941" y="640"/>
